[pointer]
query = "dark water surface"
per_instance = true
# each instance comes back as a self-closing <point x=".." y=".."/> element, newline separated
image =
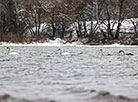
<point x="41" y="74"/>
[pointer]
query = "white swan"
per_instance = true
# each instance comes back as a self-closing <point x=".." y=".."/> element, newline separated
<point x="63" y="53"/>
<point x="11" y="53"/>
<point x="102" y="53"/>
<point x="123" y="52"/>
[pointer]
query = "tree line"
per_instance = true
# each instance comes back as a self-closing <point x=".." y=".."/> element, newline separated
<point x="91" y="19"/>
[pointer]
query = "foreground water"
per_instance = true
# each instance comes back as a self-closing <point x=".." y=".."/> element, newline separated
<point x="41" y="74"/>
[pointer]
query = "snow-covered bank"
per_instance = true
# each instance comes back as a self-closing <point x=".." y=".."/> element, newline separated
<point x="56" y="42"/>
<point x="60" y="42"/>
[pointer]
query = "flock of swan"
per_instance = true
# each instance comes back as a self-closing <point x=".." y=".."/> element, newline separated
<point x="121" y="52"/>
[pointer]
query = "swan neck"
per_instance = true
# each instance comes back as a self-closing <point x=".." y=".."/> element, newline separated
<point x="8" y="50"/>
<point x="123" y="52"/>
<point x="60" y="52"/>
<point x="102" y="53"/>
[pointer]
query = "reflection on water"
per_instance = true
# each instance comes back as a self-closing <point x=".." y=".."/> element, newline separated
<point x="41" y="74"/>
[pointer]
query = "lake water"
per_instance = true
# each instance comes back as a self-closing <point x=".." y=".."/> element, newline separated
<point x="41" y="74"/>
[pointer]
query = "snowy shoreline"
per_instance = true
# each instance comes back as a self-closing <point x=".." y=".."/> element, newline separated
<point x="58" y="42"/>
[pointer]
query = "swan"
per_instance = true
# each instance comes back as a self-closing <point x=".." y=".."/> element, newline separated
<point x="11" y="53"/>
<point x="108" y="54"/>
<point x="63" y="53"/>
<point x="123" y="52"/>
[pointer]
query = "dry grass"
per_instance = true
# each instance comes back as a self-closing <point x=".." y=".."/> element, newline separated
<point x="8" y="37"/>
<point x="15" y="39"/>
<point x="32" y="39"/>
<point x="112" y="42"/>
<point x="124" y="41"/>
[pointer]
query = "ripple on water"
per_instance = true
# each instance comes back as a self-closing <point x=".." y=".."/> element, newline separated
<point x="104" y="96"/>
<point x="9" y="98"/>
<point x="73" y="78"/>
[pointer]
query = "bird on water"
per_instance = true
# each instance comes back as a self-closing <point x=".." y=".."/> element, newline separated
<point x="102" y="53"/>
<point x="124" y="53"/>
<point x="63" y="53"/>
<point x="9" y="51"/>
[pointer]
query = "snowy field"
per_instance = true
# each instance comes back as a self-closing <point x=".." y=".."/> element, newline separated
<point x="41" y="74"/>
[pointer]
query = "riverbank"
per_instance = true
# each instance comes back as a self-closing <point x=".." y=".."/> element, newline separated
<point x="60" y="42"/>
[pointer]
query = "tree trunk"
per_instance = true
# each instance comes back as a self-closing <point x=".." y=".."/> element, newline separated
<point x="120" y="19"/>
<point x="53" y="24"/>
<point x="118" y="31"/>
<point x="85" y="28"/>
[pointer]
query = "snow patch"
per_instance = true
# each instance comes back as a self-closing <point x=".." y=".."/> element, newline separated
<point x="56" y="42"/>
<point x="60" y="42"/>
